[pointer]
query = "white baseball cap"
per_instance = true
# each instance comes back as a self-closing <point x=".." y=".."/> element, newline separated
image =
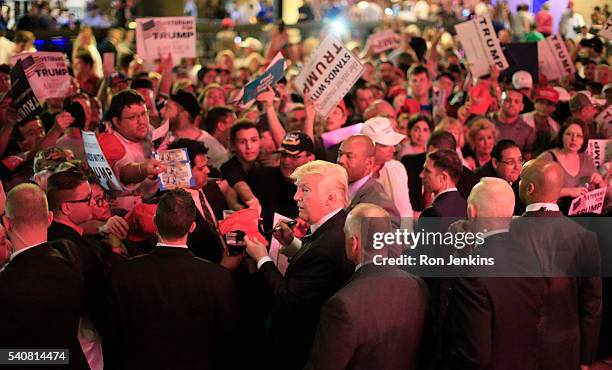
<point x="522" y="80"/>
<point x="380" y="130"/>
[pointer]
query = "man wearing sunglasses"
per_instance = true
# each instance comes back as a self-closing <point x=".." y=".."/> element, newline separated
<point x="546" y="100"/>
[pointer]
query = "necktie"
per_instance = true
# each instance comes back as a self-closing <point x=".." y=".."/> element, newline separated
<point x="207" y="215"/>
<point x="210" y="219"/>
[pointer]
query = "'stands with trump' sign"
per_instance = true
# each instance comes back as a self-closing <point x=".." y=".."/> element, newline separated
<point x="98" y="163"/>
<point x="481" y="45"/>
<point x="157" y="36"/>
<point x="330" y="73"/>
<point x="553" y="58"/>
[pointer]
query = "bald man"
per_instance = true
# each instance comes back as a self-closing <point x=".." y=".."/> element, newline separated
<point x="494" y="322"/>
<point x="357" y="155"/>
<point x="360" y="327"/>
<point x="569" y="256"/>
<point x="41" y="293"/>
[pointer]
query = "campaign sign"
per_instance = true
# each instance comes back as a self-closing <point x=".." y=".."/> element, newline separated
<point x="554" y="60"/>
<point x="383" y="41"/>
<point x="271" y="75"/>
<point x="597" y="151"/>
<point x="23" y="98"/>
<point x="98" y="163"/>
<point x="334" y="137"/>
<point x="592" y="202"/>
<point x="178" y="172"/>
<point x="481" y="45"/>
<point x="606" y="31"/>
<point x="329" y="74"/>
<point x="47" y="73"/>
<point x="157" y="36"/>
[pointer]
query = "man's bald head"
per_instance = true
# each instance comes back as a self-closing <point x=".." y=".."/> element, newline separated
<point x="356" y="155"/>
<point x="541" y="181"/>
<point x="35" y="213"/>
<point x="380" y="108"/>
<point x="360" y="226"/>
<point x="491" y="197"/>
<point x="361" y="142"/>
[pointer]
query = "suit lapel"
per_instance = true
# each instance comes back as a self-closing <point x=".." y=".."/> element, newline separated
<point x="308" y="240"/>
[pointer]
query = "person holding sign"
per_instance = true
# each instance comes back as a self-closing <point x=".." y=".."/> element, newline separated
<point x="128" y="146"/>
<point x="569" y="151"/>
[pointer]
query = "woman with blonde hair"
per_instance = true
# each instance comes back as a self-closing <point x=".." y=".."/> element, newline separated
<point x="481" y="137"/>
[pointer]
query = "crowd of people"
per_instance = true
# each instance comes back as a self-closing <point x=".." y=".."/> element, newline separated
<point x="127" y="274"/>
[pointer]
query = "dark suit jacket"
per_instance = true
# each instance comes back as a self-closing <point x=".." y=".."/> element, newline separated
<point x="315" y="273"/>
<point x="41" y="300"/>
<point x="572" y="308"/>
<point x="494" y="320"/>
<point x="204" y="241"/>
<point x="414" y="165"/>
<point x="173" y="310"/>
<point x="361" y="326"/>
<point x="87" y="255"/>
<point x="450" y="204"/>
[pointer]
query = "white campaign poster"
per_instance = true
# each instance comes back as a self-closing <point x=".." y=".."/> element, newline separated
<point x="383" y="41"/>
<point x="332" y="138"/>
<point x="606" y="31"/>
<point x="481" y="45"/>
<point x="330" y="73"/>
<point x="159" y="36"/>
<point x="597" y="150"/>
<point x="98" y="163"/>
<point x="553" y="59"/>
<point x="592" y="202"/>
<point x="279" y="259"/>
<point x="47" y="73"/>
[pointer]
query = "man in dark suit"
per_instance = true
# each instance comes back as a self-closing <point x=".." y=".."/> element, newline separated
<point x="41" y="293"/>
<point x="441" y="172"/>
<point x="494" y="321"/>
<point x="569" y="257"/>
<point x="356" y="155"/>
<point x="70" y="199"/>
<point x="316" y="271"/>
<point x="204" y="241"/>
<point x="171" y="309"/>
<point x="414" y="165"/>
<point x="360" y="327"/>
<point x="506" y="161"/>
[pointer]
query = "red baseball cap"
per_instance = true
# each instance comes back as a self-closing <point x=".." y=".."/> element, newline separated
<point x="547" y="93"/>
<point x="140" y="221"/>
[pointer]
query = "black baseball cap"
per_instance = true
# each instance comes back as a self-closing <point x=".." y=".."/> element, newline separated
<point x="295" y="142"/>
<point x="188" y="101"/>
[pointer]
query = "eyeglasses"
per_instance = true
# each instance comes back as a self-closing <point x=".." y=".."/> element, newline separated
<point x="512" y="162"/>
<point x="85" y="200"/>
<point x="101" y="200"/>
<point x="134" y="117"/>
